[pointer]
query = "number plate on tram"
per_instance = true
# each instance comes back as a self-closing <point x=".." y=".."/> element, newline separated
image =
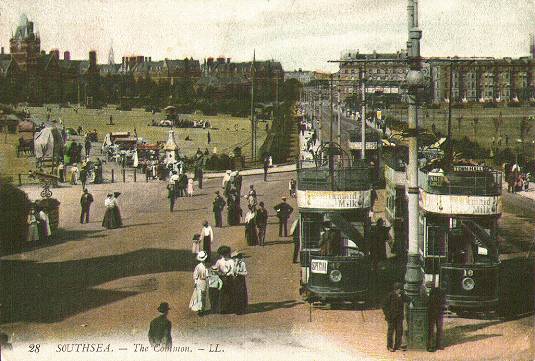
<point x="318" y="266"/>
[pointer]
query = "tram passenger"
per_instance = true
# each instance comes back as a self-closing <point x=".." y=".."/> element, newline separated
<point x="330" y="242"/>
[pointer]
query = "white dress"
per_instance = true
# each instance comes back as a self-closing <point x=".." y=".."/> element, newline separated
<point x="190" y="187"/>
<point x="199" y="298"/>
<point x="46" y="223"/>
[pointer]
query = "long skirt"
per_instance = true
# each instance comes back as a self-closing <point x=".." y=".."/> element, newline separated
<point x="207" y="246"/>
<point x="117" y="215"/>
<point x="227" y="295"/>
<point x="250" y="234"/>
<point x="240" y="289"/>
<point x="110" y="220"/>
<point x="199" y="300"/>
<point x="33" y="232"/>
<point x="231" y="219"/>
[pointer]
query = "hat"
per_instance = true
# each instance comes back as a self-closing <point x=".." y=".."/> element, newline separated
<point x="327" y="224"/>
<point x="214" y="267"/>
<point x="223" y="250"/>
<point x="398" y="286"/>
<point x="217" y="192"/>
<point x="283" y="198"/>
<point x="110" y="195"/>
<point x="202" y="256"/>
<point x="237" y="254"/>
<point x="164" y="307"/>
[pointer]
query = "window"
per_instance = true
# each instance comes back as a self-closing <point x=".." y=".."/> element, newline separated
<point x="436" y="242"/>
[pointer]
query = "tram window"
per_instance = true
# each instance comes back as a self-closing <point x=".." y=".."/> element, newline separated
<point x="311" y="228"/>
<point x="436" y="242"/>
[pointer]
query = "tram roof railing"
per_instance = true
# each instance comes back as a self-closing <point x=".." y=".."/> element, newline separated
<point x="354" y="177"/>
<point x="468" y="181"/>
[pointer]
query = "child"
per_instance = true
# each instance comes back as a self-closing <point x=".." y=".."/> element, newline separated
<point x="196" y="246"/>
<point x="190" y="187"/>
<point x="214" y="284"/>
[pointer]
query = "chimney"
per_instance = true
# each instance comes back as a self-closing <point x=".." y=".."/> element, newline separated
<point x="67" y="55"/>
<point x="2" y="50"/>
<point x="92" y="58"/>
<point x="56" y="53"/>
<point x="150" y="59"/>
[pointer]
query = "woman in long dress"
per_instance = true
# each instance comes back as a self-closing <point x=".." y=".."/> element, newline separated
<point x="33" y="226"/>
<point x="74" y="174"/>
<point x="199" y="299"/>
<point x="112" y="217"/>
<point x="225" y="267"/>
<point x="190" y="187"/>
<point x="46" y="232"/>
<point x="250" y="228"/>
<point x="240" y="286"/>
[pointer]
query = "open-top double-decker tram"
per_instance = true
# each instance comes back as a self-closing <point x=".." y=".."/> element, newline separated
<point x="373" y="150"/>
<point x="334" y="198"/>
<point x="459" y="210"/>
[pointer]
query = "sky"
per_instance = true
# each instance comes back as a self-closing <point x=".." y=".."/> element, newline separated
<point x="299" y="33"/>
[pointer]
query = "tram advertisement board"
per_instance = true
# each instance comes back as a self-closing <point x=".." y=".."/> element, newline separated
<point x="333" y="200"/>
<point x="458" y="204"/>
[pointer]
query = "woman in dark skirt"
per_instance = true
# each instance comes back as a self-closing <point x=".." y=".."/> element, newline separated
<point x="240" y="286"/>
<point x="225" y="268"/>
<point x="112" y="216"/>
<point x="250" y="227"/>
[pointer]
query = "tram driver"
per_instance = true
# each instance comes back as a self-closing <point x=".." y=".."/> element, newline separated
<point x="330" y="241"/>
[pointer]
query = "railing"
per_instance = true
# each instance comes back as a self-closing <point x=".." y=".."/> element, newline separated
<point x="481" y="183"/>
<point x="351" y="178"/>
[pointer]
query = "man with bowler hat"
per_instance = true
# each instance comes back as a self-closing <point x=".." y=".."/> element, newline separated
<point x="218" y="205"/>
<point x="393" y="308"/>
<point x="160" y="328"/>
<point x="85" y="202"/>
<point x="435" y="311"/>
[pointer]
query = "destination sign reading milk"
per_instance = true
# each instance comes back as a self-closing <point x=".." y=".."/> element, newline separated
<point x="457" y="204"/>
<point x="333" y="200"/>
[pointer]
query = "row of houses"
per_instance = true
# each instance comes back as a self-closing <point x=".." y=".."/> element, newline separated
<point x="36" y="76"/>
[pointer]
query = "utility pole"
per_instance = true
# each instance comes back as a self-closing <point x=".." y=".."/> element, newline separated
<point x="363" y="113"/>
<point x="339" y="130"/>
<point x="253" y="123"/>
<point x="449" y="156"/>
<point x="413" y="275"/>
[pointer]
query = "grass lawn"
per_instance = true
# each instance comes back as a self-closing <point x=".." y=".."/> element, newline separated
<point x="223" y="134"/>
<point x="484" y="130"/>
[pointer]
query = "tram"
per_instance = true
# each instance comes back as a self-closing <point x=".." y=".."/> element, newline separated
<point x="334" y="199"/>
<point x="459" y="210"/>
<point x="373" y="151"/>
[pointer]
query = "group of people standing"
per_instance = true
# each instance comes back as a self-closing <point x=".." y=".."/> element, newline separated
<point x="221" y="287"/>
<point x="38" y="225"/>
<point x="179" y="186"/>
<point x="517" y="180"/>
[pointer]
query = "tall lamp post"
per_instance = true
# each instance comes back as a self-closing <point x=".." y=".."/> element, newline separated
<point x="413" y="274"/>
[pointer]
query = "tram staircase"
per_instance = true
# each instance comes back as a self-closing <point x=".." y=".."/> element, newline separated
<point x="346" y="227"/>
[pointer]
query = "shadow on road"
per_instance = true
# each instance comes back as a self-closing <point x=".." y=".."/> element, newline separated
<point x="51" y="292"/>
<point x="270" y="306"/>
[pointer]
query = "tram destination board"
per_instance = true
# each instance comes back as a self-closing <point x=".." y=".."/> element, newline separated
<point x="318" y="266"/>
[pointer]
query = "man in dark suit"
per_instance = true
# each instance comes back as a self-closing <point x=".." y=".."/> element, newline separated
<point x="283" y="210"/>
<point x="85" y="202"/>
<point x="261" y="223"/>
<point x="393" y="308"/>
<point x="160" y="328"/>
<point x="218" y="205"/>
<point x="435" y="310"/>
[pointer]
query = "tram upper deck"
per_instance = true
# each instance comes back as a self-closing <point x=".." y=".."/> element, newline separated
<point x="337" y="188"/>
<point x="469" y="190"/>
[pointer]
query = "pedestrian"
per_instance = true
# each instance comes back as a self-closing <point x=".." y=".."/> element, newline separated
<point x="283" y="210"/>
<point x="196" y="244"/>
<point x="199" y="176"/>
<point x="98" y="171"/>
<point x="87" y="145"/>
<point x="225" y="268"/>
<point x="111" y="119"/>
<point x="266" y="167"/>
<point x="160" y="327"/>
<point x="182" y="185"/>
<point x="292" y="186"/>
<point x="207" y="237"/>
<point x="171" y="194"/>
<point x="217" y="206"/>
<point x="214" y="287"/>
<point x="435" y="313"/>
<point x="44" y="222"/>
<point x="378" y="247"/>
<point x="261" y="223"/>
<point x="209" y="137"/>
<point x="83" y="175"/>
<point x="199" y="298"/>
<point x="74" y="174"/>
<point x="85" y="203"/>
<point x="251" y="197"/>
<point x="240" y="285"/>
<point x="33" y="226"/>
<point x="231" y="208"/>
<point x="250" y="227"/>
<point x="190" y="187"/>
<point x="225" y="181"/>
<point x="393" y="309"/>
<point x="112" y="217"/>
<point x="61" y="172"/>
